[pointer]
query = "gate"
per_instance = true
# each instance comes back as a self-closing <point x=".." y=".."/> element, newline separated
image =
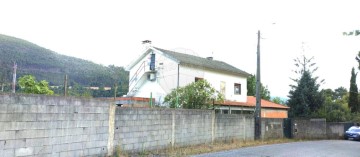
<point x="287" y="128"/>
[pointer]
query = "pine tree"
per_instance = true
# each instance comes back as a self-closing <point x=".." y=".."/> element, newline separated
<point x="305" y="97"/>
<point x="353" y="97"/>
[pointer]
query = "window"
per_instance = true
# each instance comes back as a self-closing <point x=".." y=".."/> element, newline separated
<point x="223" y="88"/>
<point x="237" y="88"/>
<point x="198" y="79"/>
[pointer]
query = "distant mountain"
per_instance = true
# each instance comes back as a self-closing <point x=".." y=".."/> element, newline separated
<point x="48" y="65"/>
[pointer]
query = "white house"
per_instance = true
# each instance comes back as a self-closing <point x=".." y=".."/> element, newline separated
<point x="157" y="71"/>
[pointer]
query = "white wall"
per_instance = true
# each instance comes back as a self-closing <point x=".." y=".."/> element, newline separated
<point x="151" y="87"/>
<point x="135" y="68"/>
<point x="188" y="74"/>
<point x="167" y="73"/>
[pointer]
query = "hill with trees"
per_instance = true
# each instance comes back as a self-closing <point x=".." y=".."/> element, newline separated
<point x="48" y="65"/>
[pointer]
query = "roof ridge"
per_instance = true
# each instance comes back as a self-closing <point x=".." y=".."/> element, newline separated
<point x="203" y="62"/>
<point x="270" y="101"/>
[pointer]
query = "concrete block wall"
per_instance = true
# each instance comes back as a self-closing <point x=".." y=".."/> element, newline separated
<point x="139" y="129"/>
<point x="272" y="128"/>
<point x="234" y="126"/>
<point x="36" y="125"/>
<point x="193" y="127"/>
<point x="309" y="128"/>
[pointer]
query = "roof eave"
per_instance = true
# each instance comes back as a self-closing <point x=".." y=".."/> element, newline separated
<point x="133" y="63"/>
<point x="166" y="55"/>
<point x="245" y="74"/>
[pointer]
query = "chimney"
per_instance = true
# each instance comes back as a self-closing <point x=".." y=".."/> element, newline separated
<point x="210" y="58"/>
<point x="146" y="43"/>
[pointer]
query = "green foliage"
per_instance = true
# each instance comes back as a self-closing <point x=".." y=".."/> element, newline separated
<point x="5" y="74"/>
<point x="353" y="98"/>
<point x="355" y="117"/>
<point x="278" y="100"/>
<point x="197" y="95"/>
<point x="251" y="88"/>
<point x="28" y="84"/>
<point x="305" y="98"/>
<point x="45" y="64"/>
<point x="335" y="109"/>
<point x="339" y="93"/>
<point x="79" y="91"/>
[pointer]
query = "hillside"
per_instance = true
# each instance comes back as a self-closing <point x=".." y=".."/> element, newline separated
<point x="48" y="65"/>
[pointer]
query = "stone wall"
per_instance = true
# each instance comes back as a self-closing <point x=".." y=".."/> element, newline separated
<point x="35" y="125"/>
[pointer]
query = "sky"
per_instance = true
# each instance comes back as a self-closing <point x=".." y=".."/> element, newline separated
<point x="109" y="32"/>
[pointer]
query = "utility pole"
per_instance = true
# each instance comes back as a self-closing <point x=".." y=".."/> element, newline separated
<point x="65" y="85"/>
<point x="258" y="97"/>
<point x="14" y="78"/>
<point x="115" y="90"/>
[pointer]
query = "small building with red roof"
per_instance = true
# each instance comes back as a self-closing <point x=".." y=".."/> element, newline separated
<point x="268" y="109"/>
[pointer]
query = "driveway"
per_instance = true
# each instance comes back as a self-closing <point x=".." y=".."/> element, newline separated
<point x="323" y="148"/>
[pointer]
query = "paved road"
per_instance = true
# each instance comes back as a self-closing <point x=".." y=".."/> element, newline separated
<point x="324" y="148"/>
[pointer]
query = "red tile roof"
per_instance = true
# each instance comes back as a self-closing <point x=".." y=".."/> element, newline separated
<point x="251" y="102"/>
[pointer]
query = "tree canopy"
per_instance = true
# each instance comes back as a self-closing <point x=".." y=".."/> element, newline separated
<point x="305" y="97"/>
<point x="197" y="95"/>
<point x="335" y="105"/>
<point x="353" y="98"/>
<point x="28" y="84"/>
<point x="251" y="88"/>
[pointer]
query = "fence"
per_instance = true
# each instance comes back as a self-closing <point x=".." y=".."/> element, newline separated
<point x="33" y="125"/>
<point x="318" y="129"/>
<point x="37" y="125"/>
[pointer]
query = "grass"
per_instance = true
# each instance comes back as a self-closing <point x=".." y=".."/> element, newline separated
<point x="204" y="148"/>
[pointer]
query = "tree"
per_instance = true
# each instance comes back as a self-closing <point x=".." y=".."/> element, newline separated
<point x="334" y="109"/>
<point x="5" y="73"/>
<point x="305" y="98"/>
<point x="197" y="95"/>
<point x="340" y="93"/>
<point x="251" y="88"/>
<point x="351" y="33"/>
<point x="358" y="59"/>
<point x="79" y="91"/>
<point x="119" y="77"/>
<point x="28" y="84"/>
<point x="278" y="100"/>
<point x="353" y="97"/>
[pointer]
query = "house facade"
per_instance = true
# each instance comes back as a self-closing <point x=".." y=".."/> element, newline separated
<point x="158" y="71"/>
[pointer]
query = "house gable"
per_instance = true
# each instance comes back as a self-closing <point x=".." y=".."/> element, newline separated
<point x="173" y="69"/>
